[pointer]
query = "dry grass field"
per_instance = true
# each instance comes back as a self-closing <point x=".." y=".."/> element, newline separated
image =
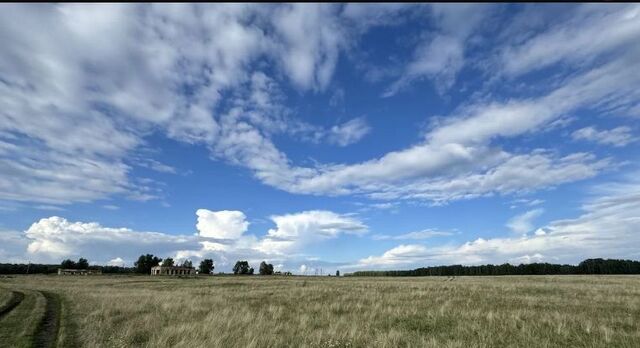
<point x="143" y="311"/>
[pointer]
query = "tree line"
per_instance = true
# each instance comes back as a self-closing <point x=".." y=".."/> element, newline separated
<point x="589" y="266"/>
<point x="142" y="266"/>
<point x="145" y="262"/>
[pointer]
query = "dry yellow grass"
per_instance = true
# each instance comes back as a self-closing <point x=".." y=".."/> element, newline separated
<point x="5" y="295"/>
<point x="538" y="311"/>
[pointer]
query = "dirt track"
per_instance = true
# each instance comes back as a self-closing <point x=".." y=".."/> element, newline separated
<point x="47" y="332"/>
<point x="16" y="299"/>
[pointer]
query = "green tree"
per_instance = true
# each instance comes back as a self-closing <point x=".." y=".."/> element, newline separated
<point x="265" y="268"/>
<point x="145" y="262"/>
<point x="242" y="267"/>
<point x="187" y="263"/>
<point x="82" y="263"/>
<point x="206" y="266"/>
<point x="68" y="264"/>
<point x="168" y="262"/>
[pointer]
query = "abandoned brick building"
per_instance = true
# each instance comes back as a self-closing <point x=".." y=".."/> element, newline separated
<point x="62" y="271"/>
<point x="171" y="270"/>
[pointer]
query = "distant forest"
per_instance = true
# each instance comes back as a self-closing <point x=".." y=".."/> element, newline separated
<point x="590" y="266"/>
<point x="33" y="268"/>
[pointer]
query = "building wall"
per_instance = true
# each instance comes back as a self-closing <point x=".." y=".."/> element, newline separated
<point x="172" y="271"/>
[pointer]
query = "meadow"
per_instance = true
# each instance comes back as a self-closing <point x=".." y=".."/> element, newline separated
<point x="276" y="311"/>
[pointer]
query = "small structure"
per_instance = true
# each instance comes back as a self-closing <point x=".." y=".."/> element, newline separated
<point x="69" y="271"/>
<point x="172" y="270"/>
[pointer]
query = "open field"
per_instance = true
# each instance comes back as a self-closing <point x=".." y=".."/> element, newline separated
<point x="517" y="311"/>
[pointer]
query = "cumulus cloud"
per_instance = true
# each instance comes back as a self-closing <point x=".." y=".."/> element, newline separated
<point x="619" y="136"/>
<point x="221" y="236"/>
<point x="53" y="238"/>
<point x="224" y="224"/>
<point x="607" y="228"/>
<point x="116" y="262"/>
<point x="294" y="231"/>
<point x="523" y="223"/>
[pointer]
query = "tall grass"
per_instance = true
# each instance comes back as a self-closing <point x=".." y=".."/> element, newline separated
<point x="5" y="296"/>
<point x="519" y="311"/>
<point x="18" y="327"/>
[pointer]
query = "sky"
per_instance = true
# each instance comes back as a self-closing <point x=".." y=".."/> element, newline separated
<point x="320" y="137"/>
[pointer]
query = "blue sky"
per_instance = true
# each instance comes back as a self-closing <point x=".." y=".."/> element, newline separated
<point x="320" y="136"/>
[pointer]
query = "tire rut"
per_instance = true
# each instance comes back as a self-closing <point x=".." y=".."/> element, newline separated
<point x="47" y="332"/>
<point x="16" y="299"/>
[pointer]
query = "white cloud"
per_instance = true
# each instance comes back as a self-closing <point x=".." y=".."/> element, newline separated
<point x="607" y="228"/>
<point x="540" y="232"/>
<point x="619" y="136"/>
<point x="295" y="231"/>
<point x="312" y="39"/>
<point x="224" y="224"/>
<point x="349" y="132"/>
<point x="402" y="254"/>
<point x="462" y="143"/>
<point x="442" y="55"/>
<point x="116" y="262"/>
<point x="107" y="99"/>
<point x="132" y="85"/>
<point x="155" y="165"/>
<point x="365" y="16"/>
<point x="526" y="202"/>
<point x="523" y="223"/>
<point x="417" y="235"/>
<point x="518" y="174"/>
<point x="51" y="239"/>
<point x="49" y="207"/>
<point x="439" y="59"/>
<point x="535" y="202"/>
<point x="537" y="257"/>
<point x="590" y="32"/>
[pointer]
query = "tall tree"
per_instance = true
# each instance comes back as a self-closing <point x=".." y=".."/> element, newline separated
<point x="265" y="268"/>
<point x="206" y="266"/>
<point x="145" y="262"/>
<point x="68" y="264"/>
<point x="168" y="262"/>
<point x="187" y="264"/>
<point x="242" y="267"/>
<point x="82" y="263"/>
